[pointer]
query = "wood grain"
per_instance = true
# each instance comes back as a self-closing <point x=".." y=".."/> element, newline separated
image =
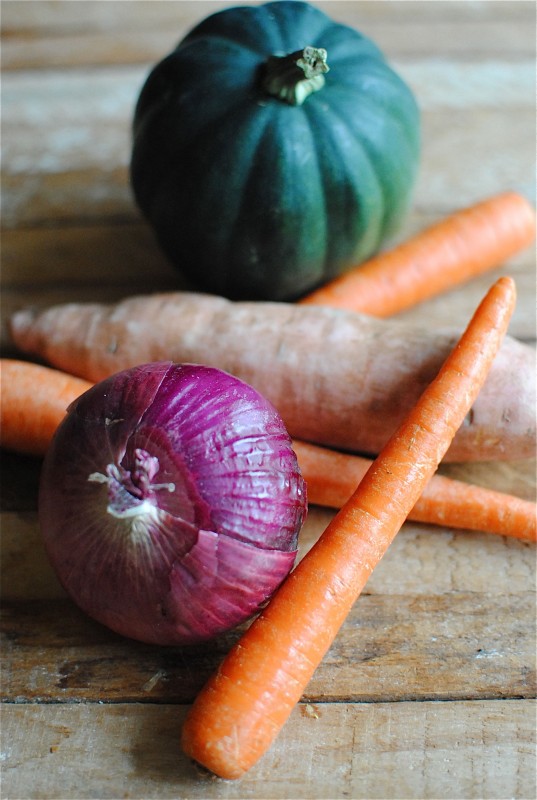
<point x="46" y="33"/>
<point x="95" y="137"/>
<point x="392" y="647"/>
<point x="478" y="749"/>
<point x="428" y="690"/>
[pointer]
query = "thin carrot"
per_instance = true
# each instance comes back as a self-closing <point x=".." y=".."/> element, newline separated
<point x="240" y="711"/>
<point x="33" y="403"/>
<point x="332" y="477"/>
<point x="463" y="245"/>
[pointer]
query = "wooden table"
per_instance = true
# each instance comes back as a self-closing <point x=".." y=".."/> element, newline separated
<point x="429" y="690"/>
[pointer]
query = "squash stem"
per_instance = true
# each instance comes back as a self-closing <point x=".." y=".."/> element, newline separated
<point x="294" y="77"/>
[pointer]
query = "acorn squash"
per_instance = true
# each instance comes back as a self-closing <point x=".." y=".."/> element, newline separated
<point x="273" y="149"/>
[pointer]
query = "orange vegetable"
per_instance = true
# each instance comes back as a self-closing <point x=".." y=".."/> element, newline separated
<point x="450" y="252"/>
<point x="241" y="709"/>
<point x="33" y="403"/>
<point x="337" y="378"/>
<point x="29" y="419"/>
<point x="332" y="477"/>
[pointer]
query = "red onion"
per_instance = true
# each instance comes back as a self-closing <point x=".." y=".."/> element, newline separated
<point x="170" y="502"/>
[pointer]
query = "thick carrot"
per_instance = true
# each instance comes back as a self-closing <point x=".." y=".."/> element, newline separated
<point x="332" y="477"/>
<point x="29" y="417"/>
<point x="33" y="403"/>
<point x="338" y="378"/>
<point x="448" y="253"/>
<point x="240" y="711"/>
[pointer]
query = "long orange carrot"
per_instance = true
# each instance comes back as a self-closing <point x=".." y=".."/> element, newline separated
<point x="332" y="477"/>
<point x="450" y="252"/>
<point x="240" y="711"/>
<point x="33" y="401"/>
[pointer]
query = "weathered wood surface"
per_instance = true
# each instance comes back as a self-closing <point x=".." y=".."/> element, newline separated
<point x="393" y="647"/>
<point x="473" y="630"/>
<point x="481" y="749"/>
<point x="427" y="692"/>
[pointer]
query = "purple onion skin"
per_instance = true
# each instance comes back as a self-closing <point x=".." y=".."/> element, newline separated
<point x="170" y="502"/>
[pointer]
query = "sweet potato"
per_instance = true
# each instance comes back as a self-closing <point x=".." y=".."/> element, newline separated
<point x="337" y="378"/>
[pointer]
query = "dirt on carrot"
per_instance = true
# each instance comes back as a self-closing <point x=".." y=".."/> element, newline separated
<point x="448" y="253"/>
<point x="242" y="708"/>
<point x="337" y="378"/>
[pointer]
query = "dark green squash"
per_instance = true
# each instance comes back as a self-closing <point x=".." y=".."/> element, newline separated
<point x="265" y="165"/>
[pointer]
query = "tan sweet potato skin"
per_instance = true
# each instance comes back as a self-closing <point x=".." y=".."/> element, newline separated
<point x="337" y="378"/>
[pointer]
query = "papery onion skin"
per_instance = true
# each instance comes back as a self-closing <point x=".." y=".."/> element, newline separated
<point x="170" y="502"/>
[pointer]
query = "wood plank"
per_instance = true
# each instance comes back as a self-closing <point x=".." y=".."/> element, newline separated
<point x="404" y="647"/>
<point x="59" y="20"/>
<point x="125" y="247"/>
<point x="48" y="18"/>
<point x="90" y="254"/>
<point x="68" y="198"/>
<point x="447" y="614"/>
<point x="74" y="659"/>
<point x="472" y="749"/>
<point x="101" y="194"/>
<point x="469" y="156"/>
<point x="427" y="610"/>
<point x="108" y="263"/>
<point x="83" y="118"/>
<point x="422" y="558"/>
<point x="100" y="190"/>
<point x="452" y="309"/>
<point x="45" y="18"/>
<point x="468" y="41"/>
<point x="127" y="251"/>
<point x="90" y="50"/>
<point x="96" y="108"/>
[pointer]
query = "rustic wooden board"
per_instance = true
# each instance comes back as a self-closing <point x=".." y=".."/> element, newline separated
<point x="95" y="138"/>
<point x="392" y="647"/>
<point x="427" y="691"/>
<point x="86" y="33"/>
<point x="470" y="622"/>
<point x="479" y="749"/>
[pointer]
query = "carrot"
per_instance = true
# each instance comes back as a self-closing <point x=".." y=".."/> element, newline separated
<point x="450" y="252"/>
<point x="332" y="477"/>
<point x="29" y="419"/>
<point x="240" y="711"/>
<point x="34" y="399"/>
<point x="337" y="378"/>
